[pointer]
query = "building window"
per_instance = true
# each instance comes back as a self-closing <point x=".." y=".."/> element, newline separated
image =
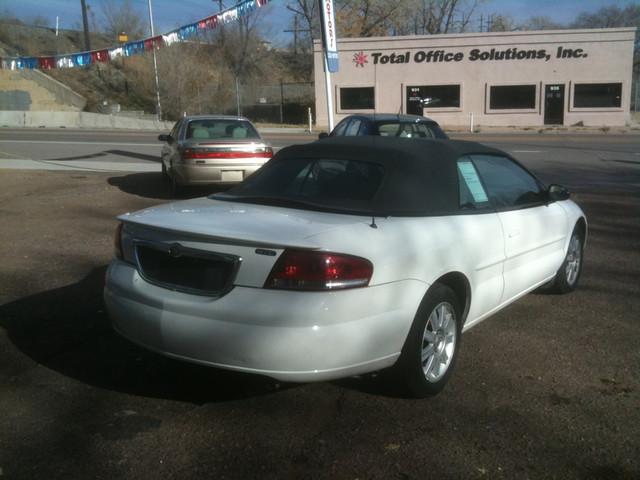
<point x="512" y="97"/>
<point x="597" y="95"/>
<point x="432" y="97"/>
<point x="357" y="98"/>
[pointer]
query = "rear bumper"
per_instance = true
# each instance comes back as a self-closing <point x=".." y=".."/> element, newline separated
<point x="290" y="336"/>
<point x="196" y="174"/>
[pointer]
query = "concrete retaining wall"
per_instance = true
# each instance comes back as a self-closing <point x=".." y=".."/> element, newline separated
<point x="21" y="92"/>
<point x="78" y="120"/>
<point x="60" y="91"/>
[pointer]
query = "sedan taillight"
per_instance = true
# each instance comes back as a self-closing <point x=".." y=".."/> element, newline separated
<point x="117" y="241"/>
<point x="198" y="154"/>
<point x="310" y="270"/>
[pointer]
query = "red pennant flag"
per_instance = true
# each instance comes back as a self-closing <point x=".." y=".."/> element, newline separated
<point x="46" y="63"/>
<point x="153" y="42"/>
<point x="100" y="56"/>
<point x="211" y="22"/>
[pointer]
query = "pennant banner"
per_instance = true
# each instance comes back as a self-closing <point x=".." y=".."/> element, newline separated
<point x="182" y="34"/>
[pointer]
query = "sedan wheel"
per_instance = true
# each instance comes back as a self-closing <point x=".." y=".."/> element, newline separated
<point x="430" y="351"/>
<point x="566" y="279"/>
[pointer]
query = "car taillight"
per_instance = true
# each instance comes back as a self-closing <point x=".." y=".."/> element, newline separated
<point x="117" y="241"/>
<point x="311" y="270"/>
<point x="192" y="153"/>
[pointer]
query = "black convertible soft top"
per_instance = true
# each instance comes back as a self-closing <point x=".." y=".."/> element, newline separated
<point x="420" y="176"/>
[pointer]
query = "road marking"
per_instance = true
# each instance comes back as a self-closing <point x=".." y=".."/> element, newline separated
<point x="22" y="164"/>
<point x="9" y="154"/>
<point x="84" y="143"/>
<point x="528" y="151"/>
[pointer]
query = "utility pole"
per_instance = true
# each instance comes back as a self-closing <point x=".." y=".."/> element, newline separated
<point x="220" y="7"/>
<point x="282" y="101"/>
<point x="295" y="36"/>
<point x="295" y="32"/>
<point x="155" y="64"/>
<point x="85" y="23"/>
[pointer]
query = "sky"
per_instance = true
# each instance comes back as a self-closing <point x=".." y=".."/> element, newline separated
<point x="169" y="14"/>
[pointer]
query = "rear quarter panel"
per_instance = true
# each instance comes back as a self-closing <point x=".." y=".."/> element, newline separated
<point x="426" y="248"/>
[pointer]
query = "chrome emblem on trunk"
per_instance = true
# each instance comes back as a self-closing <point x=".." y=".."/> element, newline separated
<point x="175" y="251"/>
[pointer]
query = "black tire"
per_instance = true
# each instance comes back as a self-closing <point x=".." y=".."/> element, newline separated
<point x="568" y="275"/>
<point x="410" y="369"/>
<point x="176" y="189"/>
<point x="165" y="175"/>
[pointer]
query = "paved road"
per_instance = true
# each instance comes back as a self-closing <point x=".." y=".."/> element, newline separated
<point x="576" y="160"/>
<point x="94" y="150"/>
<point x="547" y="388"/>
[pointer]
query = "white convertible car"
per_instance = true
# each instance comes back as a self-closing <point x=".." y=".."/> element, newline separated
<point x="344" y="256"/>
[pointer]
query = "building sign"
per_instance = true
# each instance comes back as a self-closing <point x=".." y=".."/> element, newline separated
<point x="329" y="34"/>
<point x="475" y="55"/>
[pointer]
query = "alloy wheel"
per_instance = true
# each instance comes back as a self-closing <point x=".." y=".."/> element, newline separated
<point x="439" y="341"/>
<point x="574" y="257"/>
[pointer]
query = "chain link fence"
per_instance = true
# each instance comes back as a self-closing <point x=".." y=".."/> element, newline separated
<point x="282" y="103"/>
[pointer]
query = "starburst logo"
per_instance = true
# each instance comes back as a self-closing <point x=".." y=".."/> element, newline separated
<point x="360" y="59"/>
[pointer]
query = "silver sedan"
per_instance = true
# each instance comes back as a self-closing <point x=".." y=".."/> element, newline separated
<point x="212" y="150"/>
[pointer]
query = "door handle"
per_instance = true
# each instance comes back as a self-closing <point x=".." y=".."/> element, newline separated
<point x="514" y="233"/>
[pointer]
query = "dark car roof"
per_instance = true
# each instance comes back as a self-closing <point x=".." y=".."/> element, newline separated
<point x="215" y="117"/>
<point x="378" y="149"/>
<point x="391" y="117"/>
<point x="421" y="178"/>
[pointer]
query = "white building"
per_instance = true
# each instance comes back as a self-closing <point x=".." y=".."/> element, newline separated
<point x="533" y="78"/>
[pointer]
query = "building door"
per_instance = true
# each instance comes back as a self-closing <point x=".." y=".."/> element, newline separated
<point x="554" y="105"/>
<point x="414" y="101"/>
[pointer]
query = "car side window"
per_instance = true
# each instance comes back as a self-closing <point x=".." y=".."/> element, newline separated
<point x="508" y="184"/>
<point x="364" y="129"/>
<point x="472" y="193"/>
<point x="340" y="128"/>
<point x="424" y="130"/>
<point x="354" y="126"/>
<point x="175" y="130"/>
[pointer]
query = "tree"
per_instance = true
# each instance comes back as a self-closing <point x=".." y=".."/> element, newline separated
<point x="366" y="18"/>
<point x="420" y="17"/>
<point x="609" y="17"/>
<point x="307" y="11"/>
<point x="542" y="23"/>
<point x="501" y="23"/>
<point x="122" y="17"/>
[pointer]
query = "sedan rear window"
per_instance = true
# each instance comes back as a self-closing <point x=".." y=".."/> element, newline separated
<point x="211" y="129"/>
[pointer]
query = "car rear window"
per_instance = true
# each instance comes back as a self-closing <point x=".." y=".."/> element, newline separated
<point x="322" y="183"/>
<point x="410" y="130"/>
<point x="211" y="129"/>
<point x="356" y="176"/>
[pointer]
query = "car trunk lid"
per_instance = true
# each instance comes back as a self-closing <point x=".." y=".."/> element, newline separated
<point x="218" y="243"/>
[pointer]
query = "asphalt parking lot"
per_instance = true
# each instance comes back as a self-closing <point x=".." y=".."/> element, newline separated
<point x="547" y="388"/>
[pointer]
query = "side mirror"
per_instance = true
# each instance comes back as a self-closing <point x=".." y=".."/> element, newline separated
<point x="557" y="193"/>
<point x="165" y="138"/>
<point x="322" y="135"/>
